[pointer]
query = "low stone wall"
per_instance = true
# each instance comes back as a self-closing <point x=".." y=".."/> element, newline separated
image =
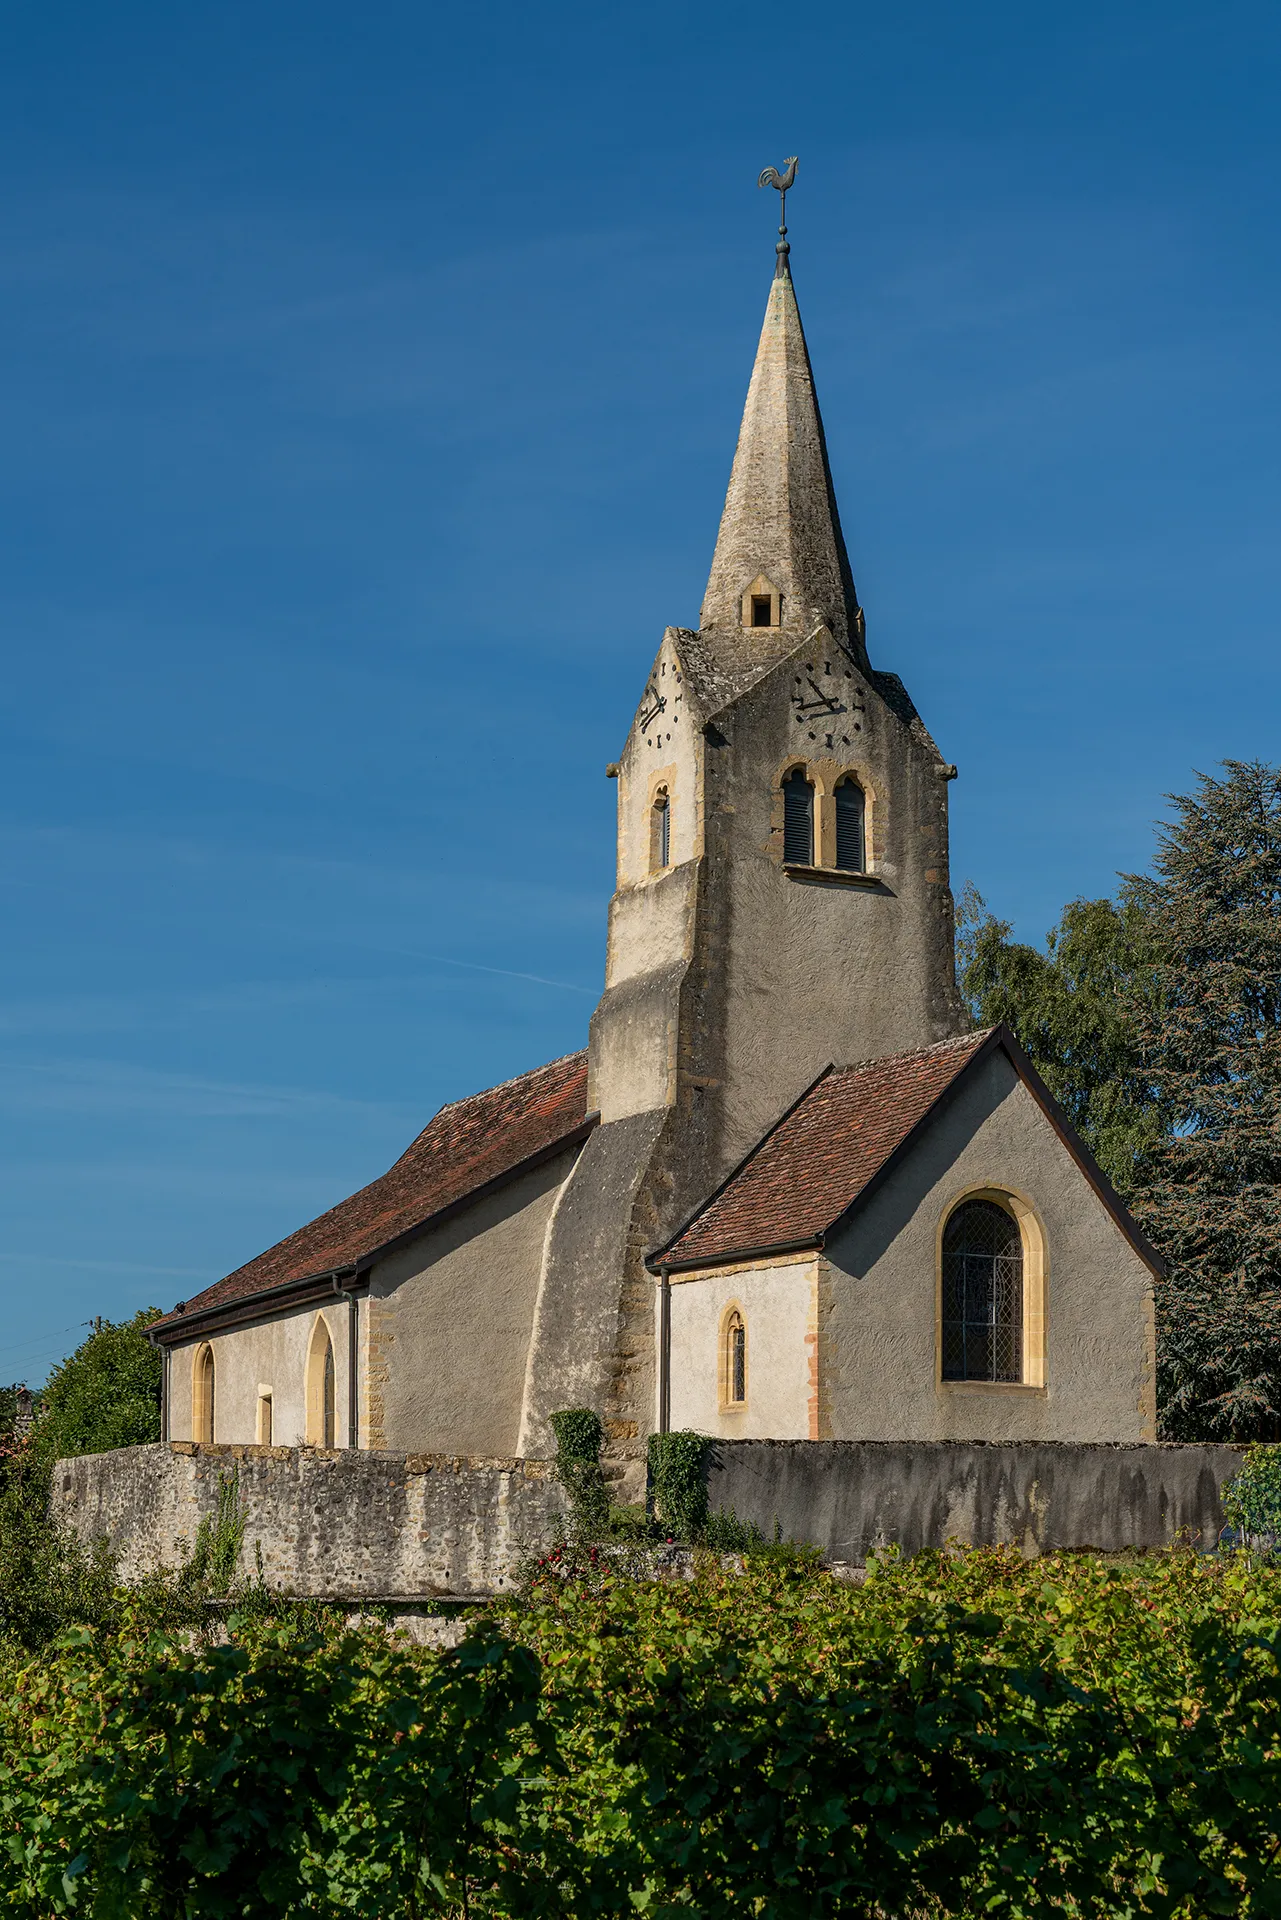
<point x="851" y="1496"/>
<point x="339" y="1524"/>
<point x="398" y="1526"/>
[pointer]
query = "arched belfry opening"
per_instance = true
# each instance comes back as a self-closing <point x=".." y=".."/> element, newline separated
<point x="660" y="831"/>
<point x="851" y="826"/>
<point x="798" y="819"/>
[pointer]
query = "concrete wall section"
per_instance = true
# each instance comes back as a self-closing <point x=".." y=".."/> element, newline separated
<point x="338" y="1524"/>
<point x="878" y="1323"/>
<point x="451" y="1316"/>
<point x="779" y="1305"/>
<point x="851" y="1498"/>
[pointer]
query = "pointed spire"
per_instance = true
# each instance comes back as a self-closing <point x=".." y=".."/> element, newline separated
<point x="780" y="532"/>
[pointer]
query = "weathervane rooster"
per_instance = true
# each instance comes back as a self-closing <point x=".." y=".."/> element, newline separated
<point x="771" y="177"/>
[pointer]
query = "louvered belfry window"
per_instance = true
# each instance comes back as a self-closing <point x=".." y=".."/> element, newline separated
<point x="982" y="1294"/>
<point x="851" y="849"/>
<point x="798" y="819"/>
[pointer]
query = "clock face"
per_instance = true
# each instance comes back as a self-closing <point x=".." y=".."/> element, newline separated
<point x="660" y="707"/>
<point x="827" y="703"/>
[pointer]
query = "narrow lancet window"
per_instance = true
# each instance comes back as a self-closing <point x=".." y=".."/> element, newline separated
<point x="798" y="819"/>
<point x="660" y="832"/>
<point x="851" y="835"/>
<point x="322" y="1407"/>
<point x="734" y="1360"/>
<point x="982" y="1294"/>
<point x="331" y="1399"/>
<point x="202" y="1395"/>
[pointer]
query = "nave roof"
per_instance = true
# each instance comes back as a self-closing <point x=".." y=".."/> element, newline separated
<point x="469" y="1146"/>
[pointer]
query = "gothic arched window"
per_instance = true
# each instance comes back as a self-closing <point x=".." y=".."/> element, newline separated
<point x="660" y="831"/>
<point x="851" y="837"/>
<point x="982" y="1294"/>
<point x="322" y="1410"/>
<point x="798" y="819"/>
<point x="202" y="1394"/>
<point x="733" y="1359"/>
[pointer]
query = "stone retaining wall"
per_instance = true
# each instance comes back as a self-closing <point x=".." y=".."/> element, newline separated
<point x="375" y="1525"/>
<point x="343" y="1524"/>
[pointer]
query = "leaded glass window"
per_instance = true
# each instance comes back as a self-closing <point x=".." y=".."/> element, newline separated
<point x="982" y="1294"/>
<point x="734" y="1360"/>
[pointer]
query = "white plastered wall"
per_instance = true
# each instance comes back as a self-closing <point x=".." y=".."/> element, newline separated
<point x="879" y="1290"/>
<point x="779" y="1305"/>
<point x="270" y="1354"/>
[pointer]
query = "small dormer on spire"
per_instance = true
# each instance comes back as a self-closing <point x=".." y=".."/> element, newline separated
<point x="780" y="525"/>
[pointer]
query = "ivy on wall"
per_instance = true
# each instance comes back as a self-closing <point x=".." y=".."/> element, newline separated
<point x="579" y="1435"/>
<point x="678" y="1483"/>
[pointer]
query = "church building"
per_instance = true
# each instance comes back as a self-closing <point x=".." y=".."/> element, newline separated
<point x="784" y="1192"/>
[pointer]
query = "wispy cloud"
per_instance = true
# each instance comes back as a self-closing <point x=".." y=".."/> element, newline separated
<point x="507" y="973"/>
<point x="118" y="1087"/>
<point x="31" y="1260"/>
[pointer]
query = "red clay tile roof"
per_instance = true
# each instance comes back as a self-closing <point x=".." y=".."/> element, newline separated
<point x="467" y="1145"/>
<point x="820" y="1156"/>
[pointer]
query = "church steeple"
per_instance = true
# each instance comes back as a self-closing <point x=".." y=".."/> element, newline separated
<point x="780" y="528"/>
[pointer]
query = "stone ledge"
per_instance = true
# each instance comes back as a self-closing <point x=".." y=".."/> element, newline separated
<point x="414" y="1463"/>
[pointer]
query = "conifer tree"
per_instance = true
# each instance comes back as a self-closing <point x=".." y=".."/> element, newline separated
<point x="1072" y="1009"/>
<point x="1210" y="1038"/>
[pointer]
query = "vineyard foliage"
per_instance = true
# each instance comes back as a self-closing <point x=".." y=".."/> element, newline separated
<point x="958" y="1735"/>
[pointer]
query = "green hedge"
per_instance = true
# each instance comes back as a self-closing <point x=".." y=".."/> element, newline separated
<point x="959" y="1735"/>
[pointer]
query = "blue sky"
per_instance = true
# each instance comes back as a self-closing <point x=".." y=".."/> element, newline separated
<point x="368" y="385"/>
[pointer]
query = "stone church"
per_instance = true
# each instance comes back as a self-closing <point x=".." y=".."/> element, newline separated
<point x="783" y="1193"/>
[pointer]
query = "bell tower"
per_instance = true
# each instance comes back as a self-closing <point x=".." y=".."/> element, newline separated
<point x="782" y="896"/>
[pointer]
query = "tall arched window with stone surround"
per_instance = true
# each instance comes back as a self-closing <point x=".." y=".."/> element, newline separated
<point x="982" y="1294"/>
<point x="202" y="1394"/>
<point x="798" y="819"/>
<point x="851" y="826"/>
<point x="732" y="1360"/>
<point x="322" y="1408"/>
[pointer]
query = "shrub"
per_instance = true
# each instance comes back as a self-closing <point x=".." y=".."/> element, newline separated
<point x="678" y="1484"/>
<point x="105" y="1395"/>
<point x="579" y="1435"/>
<point x="1252" y="1499"/>
<point x="961" y="1734"/>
